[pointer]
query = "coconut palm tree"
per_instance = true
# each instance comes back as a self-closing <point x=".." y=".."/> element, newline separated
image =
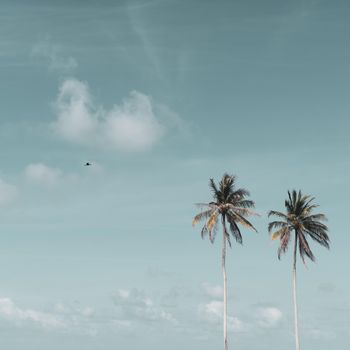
<point x="300" y="220"/>
<point x="231" y="207"/>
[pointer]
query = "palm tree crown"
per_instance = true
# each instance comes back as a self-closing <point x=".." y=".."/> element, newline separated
<point x="300" y="219"/>
<point x="229" y="203"/>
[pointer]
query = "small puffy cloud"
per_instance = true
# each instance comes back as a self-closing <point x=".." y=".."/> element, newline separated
<point x="133" y="126"/>
<point x="213" y="291"/>
<point x="43" y="174"/>
<point x="213" y="312"/>
<point x="8" y="192"/>
<point x="269" y="317"/>
<point x="11" y="312"/>
<point x="136" y="124"/>
<point x="214" y="308"/>
<point x="134" y="305"/>
<point x="54" y="55"/>
<point x="76" y="121"/>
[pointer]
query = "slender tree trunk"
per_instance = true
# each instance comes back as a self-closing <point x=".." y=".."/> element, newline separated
<point x="225" y="283"/>
<point x="297" y="346"/>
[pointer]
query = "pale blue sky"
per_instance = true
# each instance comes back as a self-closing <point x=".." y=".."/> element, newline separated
<point x="161" y="96"/>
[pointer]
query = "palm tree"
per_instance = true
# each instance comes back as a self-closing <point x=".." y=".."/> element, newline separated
<point x="231" y="206"/>
<point x="300" y="220"/>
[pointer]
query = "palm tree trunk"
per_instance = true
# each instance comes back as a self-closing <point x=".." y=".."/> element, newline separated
<point x="297" y="346"/>
<point x="225" y="284"/>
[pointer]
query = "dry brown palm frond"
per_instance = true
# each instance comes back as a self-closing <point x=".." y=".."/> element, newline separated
<point x="201" y="216"/>
<point x="284" y="244"/>
<point x="212" y="220"/>
<point x="280" y="233"/>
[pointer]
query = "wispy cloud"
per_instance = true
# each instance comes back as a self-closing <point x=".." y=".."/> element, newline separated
<point x="137" y="124"/>
<point x="60" y="318"/>
<point x="133" y="305"/>
<point x="13" y="313"/>
<point x="213" y="311"/>
<point x="143" y="34"/>
<point x="54" y="55"/>
<point x="43" y="174"/>
<point x="269" y="317"/>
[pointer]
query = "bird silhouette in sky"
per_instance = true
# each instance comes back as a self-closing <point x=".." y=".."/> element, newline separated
<point x="87" y="164"/>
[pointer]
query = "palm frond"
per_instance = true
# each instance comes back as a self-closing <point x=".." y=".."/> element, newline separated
<point x="216" y="191"/>
<point x="206" y="205"/>
<point x="284" y="241"/>
<point x="241" y="211"/>
<point x="244" y="203"/>
<point x="288" y="203"/>
<point x="277" y="213"/>
<point x="212" y="220"/>
<point x="276" y="225"/>
<point x="234" y="229"/>
<point x="315" y="226"/>
<point x="321" y="239"/>
<point x="279" y="233"/>
<point x="204" y="231"/>
<point x="305" y="205"/>
<point x="213" y="232"/>
<point x="316" y="217"/>
<point x="239" y="218"/>
<point x="226" y="234"/>
<point x="309" y="209"/>
<point x="201" y="216"/>
<point x="238" y="195"/>
<point x="227" y="186"/>
<point x="228" y="239"/>
<point x="304" y="248"/>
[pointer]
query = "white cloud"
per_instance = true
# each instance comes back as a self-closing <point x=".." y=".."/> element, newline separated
<point x="43" y="174"/>
<point x="269" y="317"/>
<point x="213" y="291"/>
<point x="133" y="126"/>
<point x="11" y="312"/>
<point x="76" y="121"/>
<point x="134" y="305"/>
<point x="54" y="55"/>
<point x="61" y="318"/>
<point x="8" y="192"/>
<point x="213" y="312"/>
<point x="137" y="124"/>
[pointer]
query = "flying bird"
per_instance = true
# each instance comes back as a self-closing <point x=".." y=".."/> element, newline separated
<point x="87" y="164"/>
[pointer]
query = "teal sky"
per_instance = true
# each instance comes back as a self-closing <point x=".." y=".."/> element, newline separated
<point x="160" y="96"/>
